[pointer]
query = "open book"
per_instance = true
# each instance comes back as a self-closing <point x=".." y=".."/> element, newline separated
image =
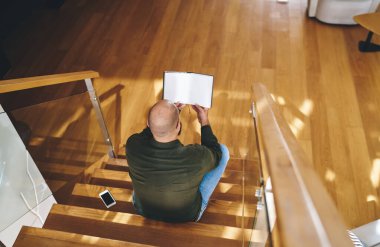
<point x="188" y="88"/>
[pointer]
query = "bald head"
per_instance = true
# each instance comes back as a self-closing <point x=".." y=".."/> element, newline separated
<point x="163" y="118"/>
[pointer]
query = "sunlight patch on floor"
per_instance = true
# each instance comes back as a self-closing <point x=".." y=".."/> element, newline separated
<point x="375" y="173"/>
<point x="280" y="100"/>
<point x="245" y="122"/>
<point x="122" y="218"/>
<point x="129" y="198"/>
<point x="296" y="126"/>
<point x="241" y="122"/>
<point x="371" y="198"/>
<point x="243" y="151"/>
<point x="307" y="107"/>
<point x="224" y="187"/>
<point x="90" y="239"/>
<point x="157" y="86"/>
<point x="330" y="175"/>
<point x="235" y="95"/>
<point x="231" y="233"/>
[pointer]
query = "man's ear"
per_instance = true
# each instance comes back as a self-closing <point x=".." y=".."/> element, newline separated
<point x="147" y="123"/>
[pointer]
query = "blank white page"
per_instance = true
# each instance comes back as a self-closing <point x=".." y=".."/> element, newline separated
<point x="188" y="88"/>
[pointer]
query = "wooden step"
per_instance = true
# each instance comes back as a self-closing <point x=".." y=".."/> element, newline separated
<point x="218" y="211"/>
<point x="117" y="162"/>
<point x="111" y="178"/>
<point x="229" y="176"/>
<point x="30" y="236"/>
<point x="223" y="191"/>
<point x="55" y="171"/>
<point x="135" y="228"/>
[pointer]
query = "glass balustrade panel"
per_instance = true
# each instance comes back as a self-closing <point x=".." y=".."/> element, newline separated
<point x="260" y="194"/>
<point x="64" y="138"/>
<point x="21" y="184"/>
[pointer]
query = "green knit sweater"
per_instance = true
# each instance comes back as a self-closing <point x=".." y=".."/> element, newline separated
<point x="166" y="176"/>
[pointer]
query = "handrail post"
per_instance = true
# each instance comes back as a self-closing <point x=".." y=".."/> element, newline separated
<point x="99" y="117"/>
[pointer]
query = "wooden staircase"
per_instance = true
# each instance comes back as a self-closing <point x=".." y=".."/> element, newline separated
<point x="85" y="221"/>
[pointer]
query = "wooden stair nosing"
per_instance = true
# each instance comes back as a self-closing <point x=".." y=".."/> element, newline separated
<point x="125" y="195"/>
<point x="117" y="162"/>
<point x="135" y="228"/>
<point x="111" y="175"/>
<point x="42" y="237"/>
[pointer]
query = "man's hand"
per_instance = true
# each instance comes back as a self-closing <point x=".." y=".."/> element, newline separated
<point x="202" y="114"/>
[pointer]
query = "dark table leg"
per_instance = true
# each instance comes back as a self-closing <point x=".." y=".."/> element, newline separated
<point x="367" y="45"/>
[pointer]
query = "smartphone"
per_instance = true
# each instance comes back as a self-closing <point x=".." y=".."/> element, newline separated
<point x="107" y="198"/>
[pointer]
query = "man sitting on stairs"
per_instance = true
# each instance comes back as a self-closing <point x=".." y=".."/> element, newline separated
<point x="173" y="182"/>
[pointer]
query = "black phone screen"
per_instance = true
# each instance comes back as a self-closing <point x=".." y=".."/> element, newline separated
<point x="107" y="198"/>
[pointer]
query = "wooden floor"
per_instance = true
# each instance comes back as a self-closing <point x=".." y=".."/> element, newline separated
<point x="329" y="90"/>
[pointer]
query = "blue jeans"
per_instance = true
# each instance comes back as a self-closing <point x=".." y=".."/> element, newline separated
<point x="211" y="179"/>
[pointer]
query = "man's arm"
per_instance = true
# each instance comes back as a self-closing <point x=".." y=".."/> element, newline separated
<point x="208" y="138"/>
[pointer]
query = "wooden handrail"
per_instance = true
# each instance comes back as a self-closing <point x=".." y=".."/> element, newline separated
<point x="306" y="213"/>
<point x="40" y="81"/>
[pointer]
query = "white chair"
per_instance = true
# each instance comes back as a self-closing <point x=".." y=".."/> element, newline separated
<point x="340" y="11"/>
